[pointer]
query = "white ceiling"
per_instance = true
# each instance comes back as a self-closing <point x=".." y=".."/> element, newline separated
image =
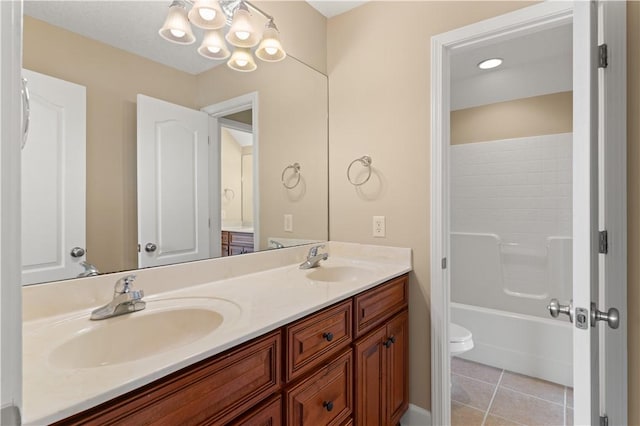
<point x="242" y="138"/>
<point x="331" y="8"/>
<point x="133" y="25"/>
<point x="534" y="64"/>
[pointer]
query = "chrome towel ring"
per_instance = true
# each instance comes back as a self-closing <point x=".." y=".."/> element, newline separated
<point x="296" y="170"/>
<point x="366" y="162"/>
<point x="26" y="112"/>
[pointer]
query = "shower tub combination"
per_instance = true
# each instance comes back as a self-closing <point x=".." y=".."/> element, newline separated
<point x="500" y="290"/>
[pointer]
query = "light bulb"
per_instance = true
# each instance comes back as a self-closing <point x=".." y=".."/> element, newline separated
<point x="177" y="33"/>
<point x="214" y="49"/>
<point x="271" y="50"/>
<point x="243" y="35"/>
<point x="242" y="62"/>
<point x="207" y="14"/>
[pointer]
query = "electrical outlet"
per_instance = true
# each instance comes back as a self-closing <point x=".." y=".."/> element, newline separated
<point x="378" y="226"/>
<point x="288" y="223"/>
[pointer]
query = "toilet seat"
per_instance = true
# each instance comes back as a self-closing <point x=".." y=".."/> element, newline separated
<point x="460" y="339"/>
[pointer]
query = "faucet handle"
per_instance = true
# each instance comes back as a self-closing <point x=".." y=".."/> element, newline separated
<point x="124" y="284"/>
<point x="313" y="251"/>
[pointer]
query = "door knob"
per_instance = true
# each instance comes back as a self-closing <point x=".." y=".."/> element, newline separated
<point x="150" y="247"/>
<point x="77" y="252"/>
<point x="612" y="316"/>
<point x="555" y="309"/>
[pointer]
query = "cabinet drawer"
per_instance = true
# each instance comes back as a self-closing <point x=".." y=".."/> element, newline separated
<point x="209" y="392"/>
<point x="225" y="237"/>
<point x="241" y="238"/>
<point x="325" y="397"/>
<point x="269" y="413"/>
<point x="314" y="339"/>
<point x="376" y="305"/>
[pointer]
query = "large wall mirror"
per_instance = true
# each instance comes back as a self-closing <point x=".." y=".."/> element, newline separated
<point x="270" y="123"/>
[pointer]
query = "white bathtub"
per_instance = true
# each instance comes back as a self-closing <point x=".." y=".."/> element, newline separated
<point x="525" y="344"/>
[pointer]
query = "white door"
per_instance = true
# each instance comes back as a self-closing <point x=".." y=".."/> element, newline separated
<point x="173" y="204"/>
<point x="53" y="180"/>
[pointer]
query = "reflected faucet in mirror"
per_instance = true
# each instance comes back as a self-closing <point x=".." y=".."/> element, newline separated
<point x="90" y="270"/>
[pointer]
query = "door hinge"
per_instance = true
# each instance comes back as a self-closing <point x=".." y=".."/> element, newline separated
<point x="603" y="245"/>
<point x="138" y="248"/>
<point x="444" y="263"/>
<point x="604" y="420"/>
<point x="603" y="58"/>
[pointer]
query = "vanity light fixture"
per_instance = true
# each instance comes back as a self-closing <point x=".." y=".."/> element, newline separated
<point x="487" y="64"/>
<point x="213" y="16"/>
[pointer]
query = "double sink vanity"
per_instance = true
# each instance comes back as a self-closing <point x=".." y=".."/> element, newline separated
<point x="253" y="339"/>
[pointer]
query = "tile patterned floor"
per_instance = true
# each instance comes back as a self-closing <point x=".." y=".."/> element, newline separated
<point x="484" y="396"/>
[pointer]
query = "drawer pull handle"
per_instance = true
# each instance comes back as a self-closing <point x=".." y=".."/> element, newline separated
<point x="328" y="405"/>
<point x="390" y="341"/>
<point x="328" y="336"/>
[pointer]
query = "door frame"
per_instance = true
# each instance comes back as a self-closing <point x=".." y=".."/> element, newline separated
<point x="525" y="20"/>
<point x="216" y="111"/>
<point x="10" y="228"/>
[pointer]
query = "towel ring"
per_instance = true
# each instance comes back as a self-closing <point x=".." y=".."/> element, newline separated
<point x="296" y="170"/>
<point x="366" y="162"/>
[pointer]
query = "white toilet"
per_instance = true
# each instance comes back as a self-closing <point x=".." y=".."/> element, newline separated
<point x="460" y="339"/>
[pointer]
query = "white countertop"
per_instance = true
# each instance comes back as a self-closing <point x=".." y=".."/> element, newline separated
<point x="252" y="304"/>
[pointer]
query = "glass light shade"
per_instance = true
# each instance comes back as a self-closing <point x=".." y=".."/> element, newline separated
<point x="270" y="48"/>
<point x="241" y="33"/>
<point x="213" y="45"/>
<point x="207" y="14"/>
<point x="176" y="28"/>
<point x="242" y="60"/>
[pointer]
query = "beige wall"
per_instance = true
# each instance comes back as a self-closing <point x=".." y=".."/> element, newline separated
<point x="534" y="116"/>
<point x="633" y="207"/>
<point x="379" y="104"/>
<point x="113" y="78"/>
<point x="231" y="178"/>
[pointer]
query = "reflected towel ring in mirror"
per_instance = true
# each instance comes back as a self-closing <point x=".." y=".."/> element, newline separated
<point x="296" y="171"/>
<point x="229" y="194"/>
<point x="26" y="112"/>
<point x="366" y="162"/>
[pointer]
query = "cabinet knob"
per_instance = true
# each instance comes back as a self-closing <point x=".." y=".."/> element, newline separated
<point x="328" y="336"/>
<point x="390" y="341"/>
<point x="328" y="405"/>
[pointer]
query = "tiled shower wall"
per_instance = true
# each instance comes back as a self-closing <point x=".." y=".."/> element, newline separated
<point x="511" y="223"/>
<point x="519" y="189"/>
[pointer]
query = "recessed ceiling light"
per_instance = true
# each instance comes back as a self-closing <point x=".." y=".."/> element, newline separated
<point x="487" y="64"/>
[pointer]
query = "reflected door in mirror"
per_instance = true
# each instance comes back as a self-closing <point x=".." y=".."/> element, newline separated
<point x="53" y="180"/>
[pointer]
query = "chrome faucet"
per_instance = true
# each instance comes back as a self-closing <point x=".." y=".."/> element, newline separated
<point x="313" y="258"/>
<point x="125" y="300"/>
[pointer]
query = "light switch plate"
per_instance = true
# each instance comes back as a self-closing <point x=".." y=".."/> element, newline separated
<point x="288" y="223"/>
<point x="379" y="226"/>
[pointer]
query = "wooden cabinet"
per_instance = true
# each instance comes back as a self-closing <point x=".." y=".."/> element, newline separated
<point x="325" y="397"/>
<point x="316" y="338"/>
<point x="234" y="243"/>
<point x="269" y="413"/>
<point x="319" y="376"/>
<point x="381" y="353"/>
<point x="213" y="391"/>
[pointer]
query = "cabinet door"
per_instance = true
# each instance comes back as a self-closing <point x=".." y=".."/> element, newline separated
<point x="396" y="349"/>
<point x="268" y="413"/>
<point x="370" y="378"/>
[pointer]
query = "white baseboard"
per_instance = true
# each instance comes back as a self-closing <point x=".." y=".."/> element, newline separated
<point x="416" y="416"/>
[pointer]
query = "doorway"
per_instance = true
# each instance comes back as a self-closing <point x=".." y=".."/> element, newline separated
<point x="494" y="241"/>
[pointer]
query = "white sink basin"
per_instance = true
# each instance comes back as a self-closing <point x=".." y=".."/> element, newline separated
<point x="135" y="336"/>
<point x="338" y="273"/>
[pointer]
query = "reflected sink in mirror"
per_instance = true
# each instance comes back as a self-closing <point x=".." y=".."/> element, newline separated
<point x="142" y="334"/>
<point x="338" y="273"/>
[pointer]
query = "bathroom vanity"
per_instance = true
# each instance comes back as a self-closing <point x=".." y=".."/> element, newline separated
<point x="323" y="346"/>
<point x="236" y="242"/>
